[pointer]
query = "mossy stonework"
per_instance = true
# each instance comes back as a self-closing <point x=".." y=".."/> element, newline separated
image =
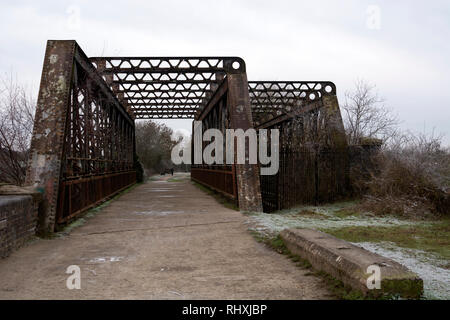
<point x="350" y="263"/>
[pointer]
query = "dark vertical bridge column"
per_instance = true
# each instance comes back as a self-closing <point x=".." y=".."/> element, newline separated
<point x="248" y="184"/>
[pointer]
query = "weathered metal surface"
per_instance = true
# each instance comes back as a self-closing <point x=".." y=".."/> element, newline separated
<point x="81" y="132"/>
<point x="215" y="115"/>
<point x="83" y="144"/>
<point x="218" y="178"/>
<point x="166" y="87"/>
<point x="98" y="156"/>
<point x="247" y="175"/>
<point x="78" y="195"/>
<point x="314" y="160"/>
<point x="229" y="108"/>
<point x="47" y="142"/>
<point x="271" y="99"/>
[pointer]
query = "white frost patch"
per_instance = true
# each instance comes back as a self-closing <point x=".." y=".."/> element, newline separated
<point x="436" y="280"/>
<point x="279" y="221"/>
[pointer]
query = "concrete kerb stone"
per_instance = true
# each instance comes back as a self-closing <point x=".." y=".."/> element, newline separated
<point x="349" y="263"/>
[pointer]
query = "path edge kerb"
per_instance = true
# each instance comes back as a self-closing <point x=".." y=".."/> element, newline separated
<point x="348" y="263"/>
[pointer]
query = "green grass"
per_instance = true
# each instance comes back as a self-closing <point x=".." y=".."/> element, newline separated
<point x="311" y="213"/>
<point x="347" y="212"/>
<point x="430" y="236"/>
<point x="226" y="202"/>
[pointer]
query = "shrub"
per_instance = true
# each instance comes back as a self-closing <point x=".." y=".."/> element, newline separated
<point x="412" y="178"/>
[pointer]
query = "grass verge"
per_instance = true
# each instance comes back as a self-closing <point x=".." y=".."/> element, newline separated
<point x="431" y="237"/>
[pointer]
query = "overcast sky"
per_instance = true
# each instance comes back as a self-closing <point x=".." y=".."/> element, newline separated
<point x="401" y="46"/>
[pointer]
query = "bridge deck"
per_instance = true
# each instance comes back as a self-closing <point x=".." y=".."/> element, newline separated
<point x="162" y="240"/>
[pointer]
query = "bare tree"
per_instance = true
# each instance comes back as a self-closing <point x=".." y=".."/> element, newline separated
<point x="17" y="108"/>
<point x="366" y="116"/>
<point x="410" y="175"/>
<point x="154" y="145"/>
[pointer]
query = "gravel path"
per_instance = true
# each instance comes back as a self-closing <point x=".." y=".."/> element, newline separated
<point x="162" y="240"/>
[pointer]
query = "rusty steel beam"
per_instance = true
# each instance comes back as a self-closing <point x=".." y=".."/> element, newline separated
<point x="220" y="180"/>
<point x="137" y="105"/>
<point x="271" y="99"/>
<point x="286" y="116"/>
<point x="147" y="82"/>
<point x="214" y="99"/>
<point x="164" y="77"/>
<point x="82" y="147"/>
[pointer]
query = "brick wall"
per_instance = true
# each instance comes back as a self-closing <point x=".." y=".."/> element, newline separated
<point x="18" y="218"/>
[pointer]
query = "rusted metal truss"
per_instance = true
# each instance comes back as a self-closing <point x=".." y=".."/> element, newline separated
<point x="165" y="87"/>
<point x="83" y="145"/>
<point x="82" y="148"/>
<point x="211" y="89"/>
<point x="216" y="114"/>
<point x="313" y="164"/>
<point x="271" y="99"/>
<point x="179" y="87"/>
<point x="98" y="157"/>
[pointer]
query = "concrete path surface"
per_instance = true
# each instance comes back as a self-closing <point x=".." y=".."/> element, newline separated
<point x="161" y="240"/>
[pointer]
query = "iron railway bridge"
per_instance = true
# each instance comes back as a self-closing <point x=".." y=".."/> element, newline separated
<point x="83" y="143"/>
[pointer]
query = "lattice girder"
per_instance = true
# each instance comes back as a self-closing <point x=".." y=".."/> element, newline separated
<point x="154" y="87"/>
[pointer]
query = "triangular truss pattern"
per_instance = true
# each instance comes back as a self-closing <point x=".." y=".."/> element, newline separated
<point x="165" y="87"/>
<point x="271" y="99"/>
<point x="178" y="87"/>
